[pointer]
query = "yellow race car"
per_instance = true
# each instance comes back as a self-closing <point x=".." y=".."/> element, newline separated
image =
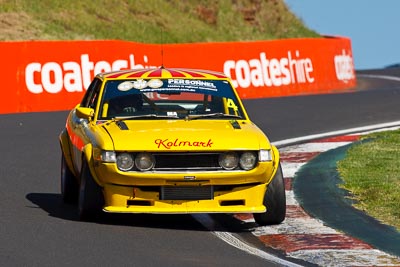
<point x="168" y="141"/>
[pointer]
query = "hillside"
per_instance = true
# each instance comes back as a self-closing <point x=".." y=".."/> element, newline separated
<point x="150" y="21"/>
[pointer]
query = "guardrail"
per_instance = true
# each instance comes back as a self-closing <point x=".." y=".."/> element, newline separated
<point x="53" y="75"/>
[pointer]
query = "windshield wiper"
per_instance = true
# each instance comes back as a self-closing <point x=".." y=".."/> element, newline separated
<point x="145" y="116"/>
<point x="212" y="115"/>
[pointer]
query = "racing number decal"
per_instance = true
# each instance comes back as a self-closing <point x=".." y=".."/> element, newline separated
<point x="231" y="104"/>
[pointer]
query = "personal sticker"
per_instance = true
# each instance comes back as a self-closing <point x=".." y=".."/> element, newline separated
<point x="140" y="84"/>
<point x="125" y="86"/>
<point x="155" y="83"/>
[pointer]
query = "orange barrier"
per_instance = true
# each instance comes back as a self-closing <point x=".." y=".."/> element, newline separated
<point x="53" y="75"/>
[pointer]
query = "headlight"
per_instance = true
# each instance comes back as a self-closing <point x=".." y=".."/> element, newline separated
<point x="103" y="155"/>
<point x="144" y="161"/>
<point x="228" y="161"/>
<point x="265" y="155"/>
<point x="125" y="161"/>
<point x="108" y="156"/>
<point x="248" y="160"/>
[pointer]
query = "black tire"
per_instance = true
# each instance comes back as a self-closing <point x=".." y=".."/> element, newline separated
<point x="91" y="198"/>
<point x="69" y="184"/>
<point x="275" y="201"/>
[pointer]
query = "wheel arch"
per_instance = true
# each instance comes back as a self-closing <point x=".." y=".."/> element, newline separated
<point x="87" y="156"/>
<point x="275" y="162"/>
<point x="275" y="157"/>
<point x="66" y="150"/>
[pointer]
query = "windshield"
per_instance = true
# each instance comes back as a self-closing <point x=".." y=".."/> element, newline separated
<point x="169" y="98"/>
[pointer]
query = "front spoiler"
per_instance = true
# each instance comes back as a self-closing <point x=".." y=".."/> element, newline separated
<point x="127" y="199"/>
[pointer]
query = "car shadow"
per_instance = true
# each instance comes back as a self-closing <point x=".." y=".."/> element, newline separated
<point x="55" y="207"/>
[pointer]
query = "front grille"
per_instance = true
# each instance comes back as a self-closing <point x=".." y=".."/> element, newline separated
<point x="186" y="192"/>
<point x="186" y="161"/>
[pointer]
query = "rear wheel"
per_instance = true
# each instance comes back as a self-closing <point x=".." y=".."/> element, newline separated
<point x="91" y="199"/>
<point x="274" y="200"/>
<point x="69" y="184"/>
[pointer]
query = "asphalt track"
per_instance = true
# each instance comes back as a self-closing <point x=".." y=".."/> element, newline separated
<point x="37" y="229"/>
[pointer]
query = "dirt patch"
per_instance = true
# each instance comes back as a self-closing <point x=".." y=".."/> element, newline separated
<point x="18" y="26"/>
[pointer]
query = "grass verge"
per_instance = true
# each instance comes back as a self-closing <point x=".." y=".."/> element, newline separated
<point x="371" y="172"/>
<point x="143" y="20"/>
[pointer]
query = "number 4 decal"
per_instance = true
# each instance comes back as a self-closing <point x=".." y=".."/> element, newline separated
<point x="231" y="104"/>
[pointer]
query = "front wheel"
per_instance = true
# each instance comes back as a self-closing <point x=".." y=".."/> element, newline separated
<point x="91" y="199"/>
<point x="69" y="184"/>
<point x="274" y="201"/>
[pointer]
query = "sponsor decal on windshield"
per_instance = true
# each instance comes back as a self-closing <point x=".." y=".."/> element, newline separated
<point x="195" y="84"/>
<point x="181" y="85"/>
<point x="140" y="84"/>
<point x="175" y="86"/>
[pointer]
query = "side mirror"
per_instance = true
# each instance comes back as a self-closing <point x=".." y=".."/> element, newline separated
<point x="84" y="113"/>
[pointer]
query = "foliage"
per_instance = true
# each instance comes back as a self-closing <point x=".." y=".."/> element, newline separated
<point x="149" y="21"/>
<point x="371" y="172"/>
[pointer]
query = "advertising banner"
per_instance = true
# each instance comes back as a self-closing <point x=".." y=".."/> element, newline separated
<point x="53" y="75"/>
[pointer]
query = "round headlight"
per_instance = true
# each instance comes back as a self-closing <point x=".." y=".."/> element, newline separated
<point x="248" y="160"/>
<point x="228" y="161"/>
<point x="144" y="161"/>
<point x="125" y="161"/>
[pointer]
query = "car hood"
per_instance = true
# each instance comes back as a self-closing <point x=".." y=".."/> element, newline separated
<point x="186" y="135"/>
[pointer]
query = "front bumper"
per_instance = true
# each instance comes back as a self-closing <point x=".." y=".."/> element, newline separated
<point x="131" y="199"/>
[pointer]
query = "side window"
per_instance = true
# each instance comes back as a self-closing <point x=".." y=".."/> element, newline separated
<point x="91" y="96"/>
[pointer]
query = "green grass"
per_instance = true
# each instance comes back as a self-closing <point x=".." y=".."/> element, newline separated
<point x="181" y="21"/>
<point x="371" y="171"/>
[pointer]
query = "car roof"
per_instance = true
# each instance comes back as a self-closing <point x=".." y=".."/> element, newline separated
<point x="181" y="73"/>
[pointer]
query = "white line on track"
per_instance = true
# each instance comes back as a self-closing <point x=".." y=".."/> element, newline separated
<point x="302" y="139"/>
<point x="229" y="238"/>
<point x="314" y="147"/>
<point x="375" y="76"/>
